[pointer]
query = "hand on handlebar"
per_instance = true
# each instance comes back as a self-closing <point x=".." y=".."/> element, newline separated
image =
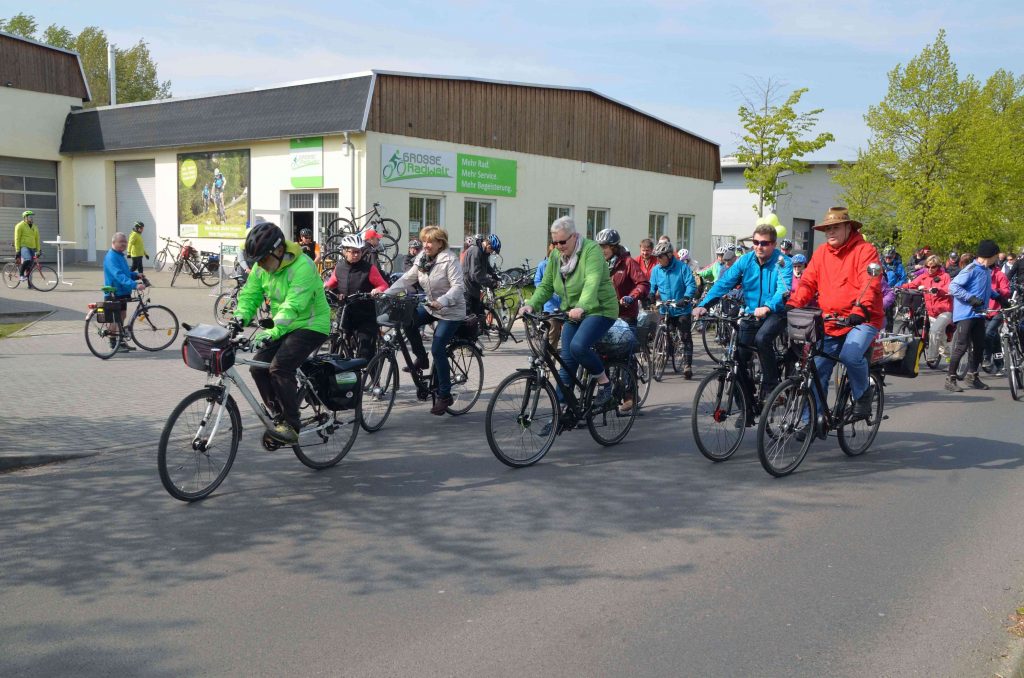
<point x="699" y="311"/>
<point x="576" y="314"/>
<point x="525" y="308"/>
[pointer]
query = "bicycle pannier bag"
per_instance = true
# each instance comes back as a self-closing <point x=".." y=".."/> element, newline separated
<point x="469" y="329"/>
<point x="336" y="382"/>
<point x="108" y="310"/>
<point x="212" y="261"/>
<point x="910" y="365"/>
<point x="208" y="348"/>
<point x="618" y="343"/>
<point x="804" y="325"/>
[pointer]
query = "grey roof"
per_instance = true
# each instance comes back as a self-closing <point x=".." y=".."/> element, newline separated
<point x="294" y="110"/>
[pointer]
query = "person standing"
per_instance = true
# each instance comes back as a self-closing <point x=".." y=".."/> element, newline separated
<point x="971" y="290"/>
<point x="137" y="248"/>
<point x="479" y="273"/>
<point x="26" y="242"/>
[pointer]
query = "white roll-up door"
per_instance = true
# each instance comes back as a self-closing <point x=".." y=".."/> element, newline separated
<point x="135" y="188"/>
<point x="28" y="184"/>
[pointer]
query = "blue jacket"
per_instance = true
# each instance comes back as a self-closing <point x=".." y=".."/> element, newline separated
<point x="674" y="282"/>
<point x="973" y="281"/>
<point x="117" y="274"/>
<point x="895" y="274"/>
<point x="765" y="285"/>
<point x="555" y="302"/>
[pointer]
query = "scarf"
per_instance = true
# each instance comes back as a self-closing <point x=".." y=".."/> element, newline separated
<point x="569" y="263"/>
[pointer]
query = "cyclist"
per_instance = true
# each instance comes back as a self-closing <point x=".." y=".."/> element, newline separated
<point x="116" y="274"/>
<point x="895" y="276"/>
<point x="1000" y="297"/>
<point x="373" y="248"/>
<point x="206" y="197"/>
<point x="631" y="286"/>
<point x="302" y="320"/>
<point x="137" y="248"/>
<point x="310" y="248"/>
<point x="787" y="246"/>
<point x="971" y="290"/>
<point x="353" y="274"/>
<point x="577" y="272"/>
<point x="937" y="302"/>
<point x="672" y="280"/>
<point x="765" y="277"/>
<point x="646" y="258"/>
<point x="952" y="264"/>
<point x="438" y="273"/>
<point x="799" y="262"/>
<point x="415" y="247"/>
<point x="478" y="271"/>
<point x="26" y="242"/>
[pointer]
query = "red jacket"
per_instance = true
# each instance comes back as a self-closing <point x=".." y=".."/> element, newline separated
<point x="940" y="302"/>
<point x="1000" y="287"/>
<point x="629" y="280"/>
<point x="839" y="276"/>
<point x="646" y="266"/>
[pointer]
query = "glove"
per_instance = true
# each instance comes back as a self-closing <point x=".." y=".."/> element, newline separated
<point x="1003" y="301"/>
<point x="974" y="301"/>
<point x="147" y="257"/>
<point x="627" y="300"/>
<point x="855" y="319"/>
<point x="259" y="341"/>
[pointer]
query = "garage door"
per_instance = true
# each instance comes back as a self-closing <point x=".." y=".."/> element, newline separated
<point x="28" y="184"/>
<point x="135" y="187"/>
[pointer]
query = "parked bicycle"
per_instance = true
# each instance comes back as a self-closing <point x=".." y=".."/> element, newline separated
<point x="342" y="226"/>
<point x="201" y="266"/>
<point x="524" y="416"/>
<point x="151" y="327"/>
<point x="226" y="302"/>
<point x="201" y="437"/>
<point x="172" y="248"/>
<point x="40" y="277"/>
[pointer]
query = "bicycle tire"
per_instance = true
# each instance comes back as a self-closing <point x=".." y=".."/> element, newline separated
<point x="610" y="418"/>
<point x="492" y="329"/>
<point x="380" y="387"/>
<point x="98" y="338"/>
<point x="160" y="261"/>
<point x="12" y="277"/>
<point x="659" y="353"/>
<point x="200" y="472"/>
<point x="519" y="410"/>
<point x="336" y="229"/>
<point x="224" y="307"/>
<point x="715" y="428"/>
<point x="154" y="322"/>
<point x="329" y="261"/>
<point x="1015" y="370"/>
<point x="676" y="342"/>
<point x="330" y="449"/>
<point x="865" y="430"/>
<point x="643" y="376"/>
<point x="467" y="381"/>
<point x="45" y="274"/>
<point x="387" y="248"/>
<point x="208" y="277"/>
<point x="781" y="419"/>
<point x="178" y="263"/>
<point x="715" y="335"/>
<point x="389" y="228"/>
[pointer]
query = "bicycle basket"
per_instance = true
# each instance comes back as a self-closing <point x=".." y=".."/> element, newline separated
<point x="618" y="343"/>
<point x="804" y="325"/>
<point x="108" y="310"/>
<point x="337" y="383"/>
<point x="646" y="323"/>
<point x="398" y="310"/>
<point x="909" y="299"/>
<point x="469" y="329"/>
<point x="888" y="348"/>
<point x="212" y="260"/>
<point x="208" y="348"/>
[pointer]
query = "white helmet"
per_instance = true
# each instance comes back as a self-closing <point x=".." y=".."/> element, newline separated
<point x="683" y="254"/>
<point x="353" y="241"/>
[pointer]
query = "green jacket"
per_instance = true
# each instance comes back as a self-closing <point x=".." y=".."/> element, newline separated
<point x="136" y="248"/>
<point x="295" y="291"/>
<point x="588" y="287"/>
<point x="26" y="235"/>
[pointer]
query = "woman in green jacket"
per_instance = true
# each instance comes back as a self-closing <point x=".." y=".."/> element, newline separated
<point x="577" y="273"/>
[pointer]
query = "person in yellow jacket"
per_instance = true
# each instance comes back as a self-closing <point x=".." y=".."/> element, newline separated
<point x="26" y="242"/>
<point x="136" y="248"/>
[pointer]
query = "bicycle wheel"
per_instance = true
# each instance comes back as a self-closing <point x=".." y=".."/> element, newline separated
<point x="208" y="277"/>
<point x="715" y="336"/>
<point x="336" y="229"/>
<point x="160" y="261"/>
<point x="719" y="415"/>
<point x="99" y="337"/>
<point x="154" y="327"/>
<point x="522" y="419"/>
<point x="224" y="307"/>
<point x="178" y="264"/>
<point x="380" y="386"/>
<point x="675" y="346"/>
<point x="491" y="326"/>
<point x="11" y="277"/>
<point x="329" y="261"/>
<point x="611" y="424"/>
<point x="467" y="370"/>
<point x="856" y="437"/>
<point x="42" y="278"/>
<point x="389" y="227"/>
<point x="787" y="412"/>
<point x="337" y="432"/>
<point x="193" y="457"/>
<point x="388" y="248"/>
<point x="642" y="365"/>
<point x="659" y="354"/>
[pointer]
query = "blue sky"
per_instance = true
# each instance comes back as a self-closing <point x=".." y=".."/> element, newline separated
<point x="679" y="60"/>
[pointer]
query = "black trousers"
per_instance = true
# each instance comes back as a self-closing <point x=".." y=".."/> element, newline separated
<point x="968" y="331"/>
<point x="137" y="264"/>
<point x="361" y="319"/>
<point x="685" y="325"/>
<point x="277" y="385"/>
<point x="762" y="334"/>
<point x="474" y="304"/>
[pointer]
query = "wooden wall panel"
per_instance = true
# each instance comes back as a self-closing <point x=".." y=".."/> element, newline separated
<point x="559" y="123"/>
<point x="39" y="69"/>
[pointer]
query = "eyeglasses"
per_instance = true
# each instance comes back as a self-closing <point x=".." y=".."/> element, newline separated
<point x="932" y="268"/>
<point x="561" y="242"/>
<point x="762" y="243"/>
<point x="350" y="250"/>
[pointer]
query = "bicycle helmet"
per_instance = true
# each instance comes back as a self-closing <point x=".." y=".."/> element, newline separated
<point x="954" y="255"/>
<point x="414" y="243"/>
<point x="683" y="254"/>
<point x="608" y="236"/>
<point x="138" y="225"/>
<point x="799" y="259"/>
<point x="663" y="249"/>
<point x="890" y="251"/>
<point x="786" y="244"/>
<point x="495" y="242"/>
<point x="27" y="213"/>
<point x="353" y="241"/>
<point x="306" y="233"/>
<point x="470" y="240"/>
<point x="729" y="254"/>
<point x="263" y="239"/>
<point x="720" y="250"/>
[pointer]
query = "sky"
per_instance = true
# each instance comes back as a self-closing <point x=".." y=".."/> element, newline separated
<point x="685" y="61"/>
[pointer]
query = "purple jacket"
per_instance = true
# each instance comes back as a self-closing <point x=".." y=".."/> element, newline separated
<point x="888" y="294"/>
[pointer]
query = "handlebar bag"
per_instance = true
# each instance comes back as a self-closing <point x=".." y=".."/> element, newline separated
<point x="208" y="348"/>
<point x="805" y="325"/>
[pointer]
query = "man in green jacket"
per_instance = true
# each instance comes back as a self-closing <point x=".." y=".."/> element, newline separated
<point x="26" y="242"/>
<point x="136" y="248"/>
<point x="578" y="273"/>
<point x="302" y="320"/>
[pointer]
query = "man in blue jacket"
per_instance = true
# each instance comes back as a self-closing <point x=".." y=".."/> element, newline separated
<point x="117" y="274"/>
<point x="672" y="280"/>
<point x="765" y="276"/>
<point x="971" y="290"/>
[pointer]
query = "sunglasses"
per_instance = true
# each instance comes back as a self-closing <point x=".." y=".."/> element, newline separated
<point x="561" y="242"/>
<point x="762" y="243"/>
<point x="932" y="268"/>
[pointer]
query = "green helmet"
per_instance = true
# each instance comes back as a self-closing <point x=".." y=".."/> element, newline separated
<point x="27" y="213"/>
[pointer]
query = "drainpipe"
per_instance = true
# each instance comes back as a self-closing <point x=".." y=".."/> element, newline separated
<point x="111" y="74"/>
<point x="350" y="151"/>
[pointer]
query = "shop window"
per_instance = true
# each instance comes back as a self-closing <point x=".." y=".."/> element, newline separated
<point x="478" y="217"/>
<point x="557" y="212"/>
<point x="423" y="212"/>
<point x="684" y="231"/>
<point x="597" y="221"/>
<point x="656" y="226"/>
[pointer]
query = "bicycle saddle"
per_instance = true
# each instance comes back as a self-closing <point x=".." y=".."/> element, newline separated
<point x="108" y="289"/>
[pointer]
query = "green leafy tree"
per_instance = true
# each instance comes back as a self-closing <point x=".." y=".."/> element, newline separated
<point x="59" y="36"/>
<point x="776" y="138"/>
<point x="20" y="24"/>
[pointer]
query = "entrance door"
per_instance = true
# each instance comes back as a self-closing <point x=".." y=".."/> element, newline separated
<point x="89" y="217"/>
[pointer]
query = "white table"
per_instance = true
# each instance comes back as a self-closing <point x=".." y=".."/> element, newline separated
<point x="60" y="257"/>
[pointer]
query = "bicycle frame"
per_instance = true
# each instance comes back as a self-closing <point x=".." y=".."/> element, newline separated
<point x="549" y="363"/>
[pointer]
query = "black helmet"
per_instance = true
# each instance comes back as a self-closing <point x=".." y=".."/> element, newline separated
<point x="138" y="225"/>
<point x="306" y="233"/>
<point x="263" y="239"/>
<point x="608" y="236"/>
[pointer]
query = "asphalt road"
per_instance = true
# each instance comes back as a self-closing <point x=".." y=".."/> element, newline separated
<point x="422" y="555"/>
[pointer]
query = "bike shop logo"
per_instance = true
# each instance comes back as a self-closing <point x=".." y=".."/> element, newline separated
<point x="405" y="165"/>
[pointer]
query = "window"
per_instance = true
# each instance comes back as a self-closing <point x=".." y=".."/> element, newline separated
<point x="597" y="220"/>
<point x="315" y="210"/>
<point x="478" y="217"/>
<point x="35" y="193"/>
<point x="803" y="235"/>
<point x="684" y="231"/>
<point x="656" y="226"/>
<point x="557" y="212"/>
<point x="424" y="212"/>
<point x="38" y="201"/>
<point x="37" y="185"/>
<point x="301" y="201"/>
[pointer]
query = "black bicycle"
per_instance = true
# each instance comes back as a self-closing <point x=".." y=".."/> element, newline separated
<point x="152" y="327"/>
<point x="524" y="417"/>
<point x="342" y="341"/>
<point x="380" y="380"/>
<point x="201" y="266"/>
<point x="225" y="304"/>
<point x="172" y="248"/>
<point x="668" y="339"/>
<point x="1013" y="345"/>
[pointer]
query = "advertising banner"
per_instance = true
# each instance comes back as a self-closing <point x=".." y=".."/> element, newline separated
<point x="487" y="176"/>
<point x="307" y="161"/>
<point x="213" y="194"/>
<point x="407" y="167"/>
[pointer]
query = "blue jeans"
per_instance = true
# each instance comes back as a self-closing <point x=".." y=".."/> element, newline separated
<point x="851" y="348"/>
<point x="443" y="333"/>
<point x="577" y="346"/>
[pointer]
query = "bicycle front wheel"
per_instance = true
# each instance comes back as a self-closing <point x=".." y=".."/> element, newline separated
<point x="659" y="354"/>
<point x="522" y="420"/>
<point x="154" y="327"/>
<point x="102" y="341"/>
<point x="466" y="366"/>
<point x="492" y="326"/>
<point x="380" y="386"/>
<point x="224" y="308"/>
<point x="611" y="424"/>
<point x="335" y="437"/>
<point x="1015" y="369"/>
<point x="643" y="375"/>
<point x="160" y="261"/>
<point x="789" y="414"/>
<point x="719" y="415"/>
<point x="198" y="444"/>
<point x="856" y="437"/>
<point x="11" y="276"/>
<point x="42" y="278"/>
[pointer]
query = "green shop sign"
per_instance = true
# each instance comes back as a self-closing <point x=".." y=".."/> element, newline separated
<point x="486" y="176"/>
<point x="406" y="167"/>
<point x="307" y="162"/>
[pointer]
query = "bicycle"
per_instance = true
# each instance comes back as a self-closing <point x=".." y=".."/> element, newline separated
<point x="226" y="302"/>
<point x="40" y="277"/>
<point x="715" y="333"/>
<point x="791" y="411"/>
<point x="152" y="327"/>
<point x="380" y="383"/>
<point x="341" y="341"/>
<point x="1013" y="347"/>
<point x="172" y="248"/>
<point x="668" y="340"/>
<point x="524" y="417"/>
<point x="202" y="266"/>
<point x="199" y="442"/>
<point x="341" y="226"/>
<point x="500" y="314"/>
<point x="515" y="275"/>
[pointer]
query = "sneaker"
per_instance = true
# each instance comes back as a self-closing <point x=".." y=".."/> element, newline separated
<point x="973" y="381"/>
<point x="125" y="348"/>
<point x="284" y="433"/>
<point x="626" y="406"/>
<point x="545" y="430"/>
<point x="951" y="385"/>
<point x="22" y="278"/>
<point x="441" y="403"/>
<point x="862" y="406"/>
<point x="1000" y="372"/>
<point x="687" y="372"/>
<point x="603" y="396"/>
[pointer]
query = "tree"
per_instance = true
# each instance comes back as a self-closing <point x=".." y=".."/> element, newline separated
<point x="775" y="141"/>
<point x="135" y="69"/>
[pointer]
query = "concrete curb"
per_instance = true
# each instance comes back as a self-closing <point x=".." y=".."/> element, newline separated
<point x="14" y="462"/>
